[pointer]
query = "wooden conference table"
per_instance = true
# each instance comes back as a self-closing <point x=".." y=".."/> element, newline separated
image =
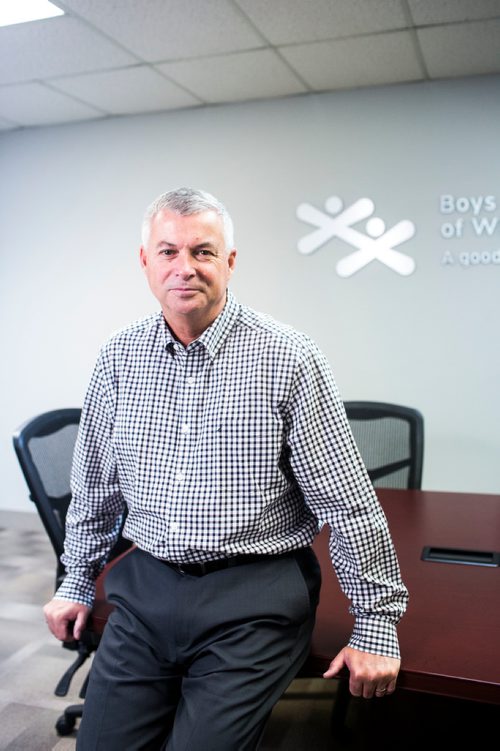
<point x="450" y="635"/>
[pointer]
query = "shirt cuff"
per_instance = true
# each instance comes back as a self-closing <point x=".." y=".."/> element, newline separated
<point x="375" y="635"/>
<point x="76" y="589"/>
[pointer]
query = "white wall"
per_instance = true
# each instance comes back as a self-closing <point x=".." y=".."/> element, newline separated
<point x="71" y="203"/>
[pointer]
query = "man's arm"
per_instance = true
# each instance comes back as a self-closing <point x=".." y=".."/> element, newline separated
<point x="93" y="518"/>
<point x="330" y="472"/>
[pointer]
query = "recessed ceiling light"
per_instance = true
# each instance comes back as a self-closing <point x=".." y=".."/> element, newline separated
<point x="19" y="11"/>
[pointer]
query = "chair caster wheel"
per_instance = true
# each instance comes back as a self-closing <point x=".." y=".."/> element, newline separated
<point x="65" y="725"/>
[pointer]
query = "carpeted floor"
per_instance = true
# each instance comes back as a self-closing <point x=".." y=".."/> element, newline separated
<point x="32" y="661"/>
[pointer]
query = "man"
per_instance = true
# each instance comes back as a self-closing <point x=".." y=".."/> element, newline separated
<point x="222" y="433"/>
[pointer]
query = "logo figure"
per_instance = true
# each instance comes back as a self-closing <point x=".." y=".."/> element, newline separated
<point x="378" y="243"/>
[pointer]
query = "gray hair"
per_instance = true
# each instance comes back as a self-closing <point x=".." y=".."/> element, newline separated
<point x="187" y="201"/>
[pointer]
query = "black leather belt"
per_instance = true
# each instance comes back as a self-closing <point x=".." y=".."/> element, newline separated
<point x="208" y="567"/>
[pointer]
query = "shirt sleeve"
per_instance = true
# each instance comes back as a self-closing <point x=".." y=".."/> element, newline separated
<point x="94" y="515"/>
<point x="330" y="472"/>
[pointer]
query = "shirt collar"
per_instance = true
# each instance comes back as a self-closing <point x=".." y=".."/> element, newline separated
<point x="215" y="335"/>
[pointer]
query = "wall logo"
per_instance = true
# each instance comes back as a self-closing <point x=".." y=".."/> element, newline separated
<point x="468" y="230"/>
<point x="377" y="244"/>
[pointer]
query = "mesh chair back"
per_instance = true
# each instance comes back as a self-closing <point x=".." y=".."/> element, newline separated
<point x="44" y="447"/>
<point x="390" y="439"/>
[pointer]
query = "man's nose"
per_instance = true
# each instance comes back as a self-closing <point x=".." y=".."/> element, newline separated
<point x="185" y="264"/>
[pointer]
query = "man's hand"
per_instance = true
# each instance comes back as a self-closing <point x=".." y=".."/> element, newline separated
<point x="66" y="619"/>
<point x="370" y="675"/>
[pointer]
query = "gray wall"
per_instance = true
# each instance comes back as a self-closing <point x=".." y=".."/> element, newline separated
<point x="72" y="198"/>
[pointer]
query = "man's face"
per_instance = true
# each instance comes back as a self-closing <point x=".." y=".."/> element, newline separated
<point x="188" y="267"/>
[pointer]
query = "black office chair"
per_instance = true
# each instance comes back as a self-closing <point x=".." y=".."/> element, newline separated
<point x="44" y="446"/>
<point x="390" y="439"/>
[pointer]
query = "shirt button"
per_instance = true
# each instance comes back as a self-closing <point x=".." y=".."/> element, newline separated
<point x="174" y="526"/>
<point x="179" y="477"/>
<point x="185" y="428"/>
<point x="191" y="380"/>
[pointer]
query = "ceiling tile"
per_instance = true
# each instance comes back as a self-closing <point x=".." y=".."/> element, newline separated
<point x="158" y="30"/>
<point x="35" y="104"/>
<point x="55" y="47"/>
<point x="126" y="91"/>
<point x="289" y="21"/>
<point x="449" y="11"/>
<point x="360" y="61"/>
<point x="461" y="49"/>
<point x="228" y="78"/>
<point x="91" y="62"/>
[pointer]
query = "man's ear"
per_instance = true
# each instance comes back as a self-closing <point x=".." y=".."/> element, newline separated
<point x="231" y="261"/>
<point x="143" y="257"/>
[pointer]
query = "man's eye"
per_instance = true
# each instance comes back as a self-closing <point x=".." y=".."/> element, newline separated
<point x="167" y="252"/>
<point x="203" y="252"/>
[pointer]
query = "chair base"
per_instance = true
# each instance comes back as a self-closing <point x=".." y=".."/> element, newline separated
<point x="67" y="721"/>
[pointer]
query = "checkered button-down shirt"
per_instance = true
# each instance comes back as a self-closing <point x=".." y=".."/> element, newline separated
<point x="237" y="443"/>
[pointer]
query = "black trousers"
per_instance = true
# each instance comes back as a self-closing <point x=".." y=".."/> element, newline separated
<point x="191" y="663"/>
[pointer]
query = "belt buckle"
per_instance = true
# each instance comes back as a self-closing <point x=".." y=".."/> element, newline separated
<point x="192" y="569"/>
